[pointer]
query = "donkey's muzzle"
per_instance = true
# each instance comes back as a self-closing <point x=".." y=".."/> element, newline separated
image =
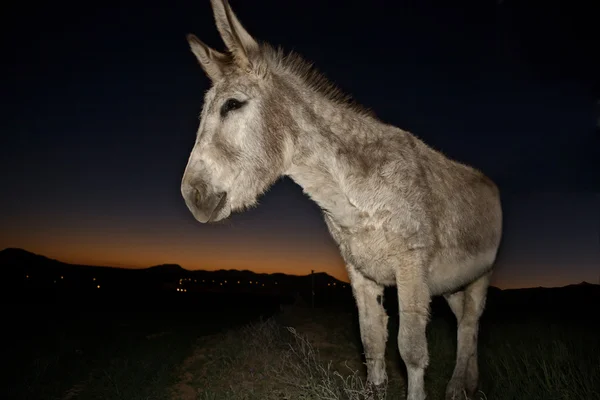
<point x="205" y="207"/>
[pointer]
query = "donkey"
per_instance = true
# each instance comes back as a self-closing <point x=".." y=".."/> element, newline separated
<point x="401" y="212"/>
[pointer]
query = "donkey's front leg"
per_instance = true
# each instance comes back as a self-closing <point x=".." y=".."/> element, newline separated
<point x="373" y="324"/>
<point x="413" y="298"/>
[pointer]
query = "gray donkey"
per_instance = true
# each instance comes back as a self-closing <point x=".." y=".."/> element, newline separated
<point x="402" y="213"/>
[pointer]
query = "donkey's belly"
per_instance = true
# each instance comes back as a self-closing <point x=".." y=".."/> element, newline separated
<point x="449" y="272"/>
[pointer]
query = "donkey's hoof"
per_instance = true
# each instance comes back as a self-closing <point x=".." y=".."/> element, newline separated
<point x="376" y="392"/>
<point x="457" y="391"/>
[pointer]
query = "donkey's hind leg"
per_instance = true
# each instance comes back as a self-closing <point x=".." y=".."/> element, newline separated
<point x="467" y="306"/>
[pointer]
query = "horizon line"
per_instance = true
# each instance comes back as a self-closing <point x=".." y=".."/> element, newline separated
<point x="125" y="266"/>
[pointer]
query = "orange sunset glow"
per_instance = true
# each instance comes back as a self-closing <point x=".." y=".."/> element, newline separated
<point x="254" y="241"/>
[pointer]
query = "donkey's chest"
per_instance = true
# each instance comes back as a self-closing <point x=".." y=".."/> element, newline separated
<point x="368" y="250"/>
<point x="370" y="258"/>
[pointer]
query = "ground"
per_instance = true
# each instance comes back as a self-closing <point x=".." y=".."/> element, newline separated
<point x="245" y="352"/>
<point x="315" y="354"/>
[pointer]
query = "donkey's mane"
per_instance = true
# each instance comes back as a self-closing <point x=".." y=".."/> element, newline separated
<point x="292" y="63"/>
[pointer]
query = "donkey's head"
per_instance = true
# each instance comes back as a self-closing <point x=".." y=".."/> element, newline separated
<point x="242" y="144"/>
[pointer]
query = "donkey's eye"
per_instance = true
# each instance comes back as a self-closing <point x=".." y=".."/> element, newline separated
<point x="231" y="104"/>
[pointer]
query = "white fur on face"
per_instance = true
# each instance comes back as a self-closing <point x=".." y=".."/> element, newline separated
<point x="230" y="153"/>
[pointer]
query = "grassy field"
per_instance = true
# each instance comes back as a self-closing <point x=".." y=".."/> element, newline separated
<point x="102" y="355"/>
<point x="191" y="349"/>
<point x="129" y="351"/>
<point x="316" y="354"/>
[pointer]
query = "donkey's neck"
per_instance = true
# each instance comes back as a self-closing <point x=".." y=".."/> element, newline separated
<point x="333" y="154"/>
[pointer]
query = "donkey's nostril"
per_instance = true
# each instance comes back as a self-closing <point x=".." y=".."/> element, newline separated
<point x="197" y="198"/>
<point x="204" y="204"/>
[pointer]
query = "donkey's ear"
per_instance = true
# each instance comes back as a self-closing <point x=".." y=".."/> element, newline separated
<point x="211" y="61"/>
<point x="239" y="42"/>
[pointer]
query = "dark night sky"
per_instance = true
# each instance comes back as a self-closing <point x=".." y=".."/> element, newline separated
<point x="100" y="105"/>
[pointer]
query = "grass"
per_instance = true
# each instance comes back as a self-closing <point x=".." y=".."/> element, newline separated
<point x="263" y="361"/>
<point x="542" y="361"/>
<point x="302" y="353"/>
<point x="99" y="356"/>
<point x="316" y="354"/>
<point x="118" y="354"/>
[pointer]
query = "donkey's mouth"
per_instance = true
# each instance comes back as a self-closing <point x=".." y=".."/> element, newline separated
<point x="219" y="212"/>
<point x="211" y="208"/>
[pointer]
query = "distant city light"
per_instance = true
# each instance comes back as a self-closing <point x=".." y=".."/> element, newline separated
<point x="98" y="286"/>
<point x="93" y="279"/>
<point x="225" y="281"/>
<point x="238" y="281"/>
<point x="62" y="277"/>
<point x="27" y="276"/>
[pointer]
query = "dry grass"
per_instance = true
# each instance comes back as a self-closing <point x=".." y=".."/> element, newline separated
<point x="316" y="354"/>
<point x="267" y="361"/>
<point x="281" y="358"/>
<point x="299" y="354"/>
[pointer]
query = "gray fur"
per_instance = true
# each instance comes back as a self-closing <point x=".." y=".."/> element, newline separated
<point x="402" y="213"/>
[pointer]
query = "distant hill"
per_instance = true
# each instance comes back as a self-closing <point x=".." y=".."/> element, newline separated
<point x="167" y="268"/>
<point x="25" y="270"/>
<point x="14" y="256"/>
<point x="571" y="302"/>
<point x="37" y="271"/>
<point x="20" y="258"/>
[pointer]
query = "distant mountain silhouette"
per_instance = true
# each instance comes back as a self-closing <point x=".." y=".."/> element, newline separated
<point x="28" y="276"/>
<point x="13" y="255"/>
<point x="37" y="272"/>
<point x="583" y="283"/>
<point x="19" y="257"/>
<point x="167" y="267"/>
<point x="24" y="269"/>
